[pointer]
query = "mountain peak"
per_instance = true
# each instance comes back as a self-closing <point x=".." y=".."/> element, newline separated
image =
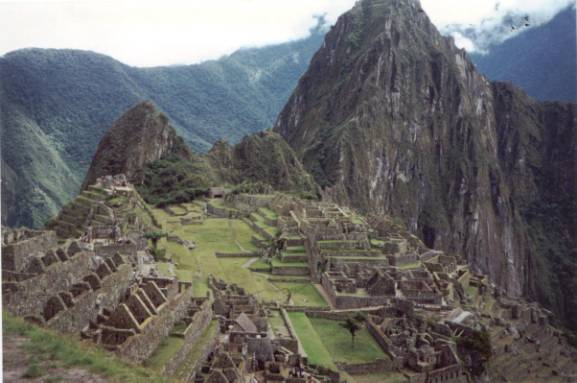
<point x="393" y="118"/>
<point x="140" y="136"/>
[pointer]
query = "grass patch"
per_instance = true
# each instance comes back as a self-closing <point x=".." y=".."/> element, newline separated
<point x="45" y="344"/>
<point x="338" y="341"/>
<point x="310" y="340"/>
<point x="303" y="294"/>
<point x="260" y="265"/>
<point x="167" y="348"/>
<point x="268" y="213"/>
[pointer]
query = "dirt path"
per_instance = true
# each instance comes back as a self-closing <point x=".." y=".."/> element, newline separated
<point x="249" y="263"/>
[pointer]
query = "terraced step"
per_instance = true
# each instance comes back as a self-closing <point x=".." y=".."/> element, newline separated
<point x="294" y="257"/>
<point x="290" y="268"/>
<point x="295" y="249"/>
<point x="267" y="216"/>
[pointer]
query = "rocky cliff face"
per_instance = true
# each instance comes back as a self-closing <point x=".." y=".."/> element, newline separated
<point x="139" y="137"/>
<point x="391" y="117"/>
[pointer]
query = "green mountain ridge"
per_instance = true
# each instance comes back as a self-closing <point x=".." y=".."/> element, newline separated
<point x="57" y="104"/>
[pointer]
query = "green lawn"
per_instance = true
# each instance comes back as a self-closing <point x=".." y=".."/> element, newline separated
<point x="327" y="342"/>
<point x="227" y="236"/>
<point x="338" y="341"/>
<point x="260" y="265"/>
<point x="303" y="294"/>
<point x="310" y="340"/>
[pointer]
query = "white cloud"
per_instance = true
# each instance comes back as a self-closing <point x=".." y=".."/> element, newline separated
<point x="162" y="32"/>
<point x="477" y="24"/>
<point x="463" y="42"/>
<point x="146" y="33"/>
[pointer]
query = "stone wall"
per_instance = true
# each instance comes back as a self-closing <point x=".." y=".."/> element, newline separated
<point x="200" y="322"/>
<point x="290" y="257"/>
<point x="15" y="255"/>
<point x="290" y="271"/>
<point x="129" y="249"/>
<point x="28" y="297"/>
<point x="87" y="305"/>
<point x="139" y="347"/>
<point x="220" y="212"/>
<point x="378" y="366"/>
<point x="342" y="301"/>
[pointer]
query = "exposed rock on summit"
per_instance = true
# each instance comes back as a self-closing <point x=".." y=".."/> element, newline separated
<point x="139" y="137"/>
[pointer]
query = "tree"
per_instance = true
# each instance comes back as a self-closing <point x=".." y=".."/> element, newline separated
<point x="352" y="328"/>
<point x="155" y="236"/>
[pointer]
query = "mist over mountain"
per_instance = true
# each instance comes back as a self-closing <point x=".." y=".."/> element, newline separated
<point x="541" y="60"/>
<point x="57" y="104"/>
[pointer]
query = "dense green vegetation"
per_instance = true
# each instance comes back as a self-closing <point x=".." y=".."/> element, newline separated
<point x="51" y="124"/>
<point x="175" y="180"/>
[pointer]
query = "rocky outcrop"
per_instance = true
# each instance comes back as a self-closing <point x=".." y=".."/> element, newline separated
<point x="263" y="157"/>
<point x="139" y="137"/>
<point x="392" y="118"/>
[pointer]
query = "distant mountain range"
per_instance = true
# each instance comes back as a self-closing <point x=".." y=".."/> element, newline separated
<point x="542" y="60"/>
<point x="57" y="104"/>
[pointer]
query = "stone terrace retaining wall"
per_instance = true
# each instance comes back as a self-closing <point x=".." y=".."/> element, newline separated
<point x="200" y="322"/>
<point x="15" y="255"/>
<point x="139" y="347"/>
<point x="86" y="306"/>
<point x="340" y="301"/>
<point x="290" y="271"/>
<point x="220" y="212"/>
<point x="28" y="297"/>
<point x="378" y="366"/>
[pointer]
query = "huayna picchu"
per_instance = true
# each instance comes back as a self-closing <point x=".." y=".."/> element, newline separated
<point x="406" y="220"/>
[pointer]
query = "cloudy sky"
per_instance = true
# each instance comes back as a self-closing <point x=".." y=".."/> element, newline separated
<point x="165" y="32"/>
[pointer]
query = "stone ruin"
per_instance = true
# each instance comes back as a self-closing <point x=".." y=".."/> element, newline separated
<point x="113" y="182"/>
<point x="249" y="351"/>
<point x="426" y="348"/>
<point x="146" y="314"/>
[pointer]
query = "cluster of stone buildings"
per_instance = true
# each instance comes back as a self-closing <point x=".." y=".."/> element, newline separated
<point x="247" y="351"/>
